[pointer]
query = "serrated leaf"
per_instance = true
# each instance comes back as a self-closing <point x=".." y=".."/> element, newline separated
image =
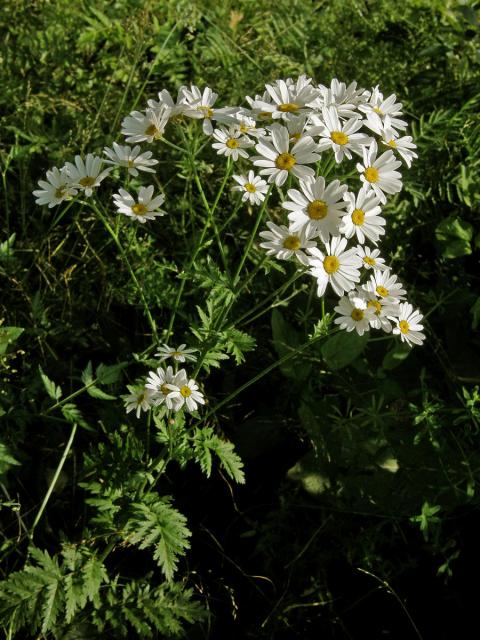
<point x="54" y="391"/>
<point x="237" y="343"/>
<point x="205" y="443"/>
<point x="73" y="414"/>
<point x="95" y="392"/>
<point x="87" y="374"/>
<point x="108" y="374"/>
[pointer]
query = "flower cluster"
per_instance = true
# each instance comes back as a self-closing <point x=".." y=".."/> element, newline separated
<point x="287" y="134"/>
<point x="166" y="386"/>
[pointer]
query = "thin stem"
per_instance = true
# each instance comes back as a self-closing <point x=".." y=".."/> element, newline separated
<point x="212" y="220"/>
<point x="107" y="226"/>
<point x="54" y="479"/>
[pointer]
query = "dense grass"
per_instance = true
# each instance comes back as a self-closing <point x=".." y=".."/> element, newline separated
<point x="327" y="536"/>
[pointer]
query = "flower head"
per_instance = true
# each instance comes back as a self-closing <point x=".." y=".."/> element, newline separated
<point x="144" y="208"/>
<point x="132" y="159"/>
<point x="336" y="265"/>
<point x="180" y="354"/>
<point x="86" y="174"/>
<point x="55" y="189"/>
<point x="408" y="325"/>
<point x="253" y="188"/>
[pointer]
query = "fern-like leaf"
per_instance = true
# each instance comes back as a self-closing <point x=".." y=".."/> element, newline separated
<point x="205" y="443"/>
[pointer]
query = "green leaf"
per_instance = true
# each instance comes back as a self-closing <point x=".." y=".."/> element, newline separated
<point x="95" y="392"/>
<point x="396" y="356"/>
<point x="237" y="343"/>
<point x="73" y="414"/>
<point x="108" y="374"/>
<point x="453" y="237"/>
<point x="8" y="335"/>
<point x="6" y="459"/>
<point x="155" y="523"/>
<point x="54" y="391"/>
<point x="87" y="374"/>
<point x="343" y="348"/>
<point x="205" y="443"/>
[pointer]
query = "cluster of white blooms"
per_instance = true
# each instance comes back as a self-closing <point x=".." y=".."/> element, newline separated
<point x="285" y="134"/>
<point x="167" y="386"/>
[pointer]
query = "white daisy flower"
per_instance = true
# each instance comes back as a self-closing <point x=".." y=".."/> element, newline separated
<point x="180" y="354"/>
<point x="341" y="137"/>
<point x="384" y="284"/>
<point x="162" y="385"/>
<point x="279" y="160"/>
<point x="253" y="188"/>
<point x="408" y="324"/>
<point x="362" y="218"/>
<point x="335" y="265"/>
<point x="403" y="146"/>
<point x="344" y="99"/>
<point x="319" y="207"/>
<point x="371" y="258"/>
<point x="125" y="156"/>
<point x="381" y="107"/>
<point x="283" y="243"/>
<point x="55" y="189"/>
<point x="287" y="99"/>
<point x="176" y="108"/>
<point x="379" y="173"/>
<point x="354" y="314"/>
<point x="186" y="392"/>
<point x="148" y="126"/>
<point x="248" y="125"/>
<point x="86" y="174"/>
<point x="138" y="400"/>
<point x="231" y="143"/>
<point x="144" y="208"/>
<point x="200" y="106"/>
<point x="383" y="311"/>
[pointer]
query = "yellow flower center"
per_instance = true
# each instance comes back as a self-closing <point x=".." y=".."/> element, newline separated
<point x="392" y="143"/>
<point x="331" y="264"/>
<point x="139" y="209"/>
<point x="285" y="161"/>
<point x="317" y="210"/>
<point x="207" y="112"/>
<point x="87" y="181"/>
<point x="357" y="315"/>
<point x="232" y="143"/>
<point x="376" y="305"/>
<point x="292" y="243"/>
<point x="165" y="390"/>
<point x="288" y="107"/>
<point x="176" y="353"/>
<point x="371" y="174"/>
<point x="60" y="192"/>
<point x="186" y="391"/>
<point x="358" y="216"/>
<point x="130" y="163"/>
<point x="371" y="261"/>
<point x="338" y="137"/>
<point x="251" y="188"/>
<point x="265" y="115"/>
<point x="295" y="136"/>
<point x="151" y="130"/>
<point x="378" y="110"/>
<point x="243" y="128"/>
<point x="382" y="292"/>
<point x="404" y="326"/>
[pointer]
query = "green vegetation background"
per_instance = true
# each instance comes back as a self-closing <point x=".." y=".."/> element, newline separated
<point x="362" y="470"/>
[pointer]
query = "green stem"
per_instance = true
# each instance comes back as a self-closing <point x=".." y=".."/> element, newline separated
<point x="264" y="372"/>
<point x="54" y="479"/>
<point x="212" y="220"/>
<point x="115" y="238"/>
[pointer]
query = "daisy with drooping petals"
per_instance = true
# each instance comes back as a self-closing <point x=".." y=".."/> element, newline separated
<point x="139" y="399"/>
<point x="144" y="208"/>
<point x="283" y="243"/>
<point x="377" y="108"/>
<point x="231" y="143"/>
<point x="165" y="101"/>
<point x="341" y="137"/>
<point x="186" y="392"/>
<point x="161" y="383"/>
<point x="335" y="265"/>
<point x="371" y="258"/>
<point x="319" y="207"/>
<point x="379" y="173"/>
<point x="252" y="187"/>
<point x="401" y="145"/>
<point x="180" y="354"/>
<point x="86" y="174"/>
<point x="383" y="310"/>
<point x="199" y="105"/>
<point x="55" y="189"/>
<point x="125" y="156"/>
<point x="408" y="324"/>
<point x="362" y="218"/>
<point x="384" y="284"/>
<point x="248" y="125"/>
<point x="279" y="160"/>
<point x="148" y="126"/>
<point x="287" y="99"/>
<point x="354" y="314"/>
<point x="344" y="99"/>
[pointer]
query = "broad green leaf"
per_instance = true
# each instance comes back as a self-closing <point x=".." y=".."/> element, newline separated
<point x="396" y="356"/>
<point x="453" y="237"/>
<point x="95" y="392"/>
<point x="108" y="374"/>
<point x="343" y="348"/>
